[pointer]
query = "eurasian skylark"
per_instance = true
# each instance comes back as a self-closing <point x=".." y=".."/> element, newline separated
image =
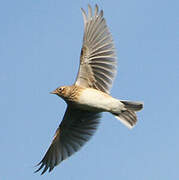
<point x="89" y="95"/>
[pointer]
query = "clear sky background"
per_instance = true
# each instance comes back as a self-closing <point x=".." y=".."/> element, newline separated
<point x="40" y="42"/>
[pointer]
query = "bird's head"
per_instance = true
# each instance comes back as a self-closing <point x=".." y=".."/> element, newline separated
<point x="62" y="91"/>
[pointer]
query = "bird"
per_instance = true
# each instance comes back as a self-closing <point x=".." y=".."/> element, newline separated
<point x="89" y="96"/>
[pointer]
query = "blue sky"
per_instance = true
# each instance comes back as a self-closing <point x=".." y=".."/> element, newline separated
<point x="40" y="44"/>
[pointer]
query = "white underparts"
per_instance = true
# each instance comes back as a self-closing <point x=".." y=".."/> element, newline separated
<point x="91" y="99"/>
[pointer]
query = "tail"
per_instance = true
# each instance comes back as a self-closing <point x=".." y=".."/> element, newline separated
<point x="134" y="106"/>
<point x="128" y="116"/>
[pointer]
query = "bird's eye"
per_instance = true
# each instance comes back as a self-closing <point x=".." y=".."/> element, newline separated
<point x="60" y="89"/>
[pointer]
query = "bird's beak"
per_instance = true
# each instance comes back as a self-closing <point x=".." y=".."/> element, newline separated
<point x="54" y="92"/>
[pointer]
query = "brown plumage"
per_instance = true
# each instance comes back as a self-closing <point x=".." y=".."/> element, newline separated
<point x="89" y="95"/>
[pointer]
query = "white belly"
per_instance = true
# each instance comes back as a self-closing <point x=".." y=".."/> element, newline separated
<point x="91" y="99"/>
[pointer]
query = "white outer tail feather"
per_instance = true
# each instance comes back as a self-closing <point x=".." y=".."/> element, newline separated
<point x="126" y="123"/>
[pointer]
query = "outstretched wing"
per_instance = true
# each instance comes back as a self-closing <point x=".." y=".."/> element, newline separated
<point x="75" y="130"/>
<point x="98" y="58"/>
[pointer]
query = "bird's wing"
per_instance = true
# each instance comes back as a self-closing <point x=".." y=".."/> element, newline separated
<point x="75" y="130"/>
<point x="98" y="61"/>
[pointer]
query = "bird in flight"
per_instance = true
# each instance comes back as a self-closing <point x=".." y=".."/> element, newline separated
<point x="90" y="95"/>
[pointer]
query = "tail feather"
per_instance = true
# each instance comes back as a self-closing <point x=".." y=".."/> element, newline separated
<point x="134" y="106"/>
<point x="128" y="118"/>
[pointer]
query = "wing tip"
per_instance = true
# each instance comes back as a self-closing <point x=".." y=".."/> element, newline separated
<point x="45" y="168"/>
<point x="90" y="15"/>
